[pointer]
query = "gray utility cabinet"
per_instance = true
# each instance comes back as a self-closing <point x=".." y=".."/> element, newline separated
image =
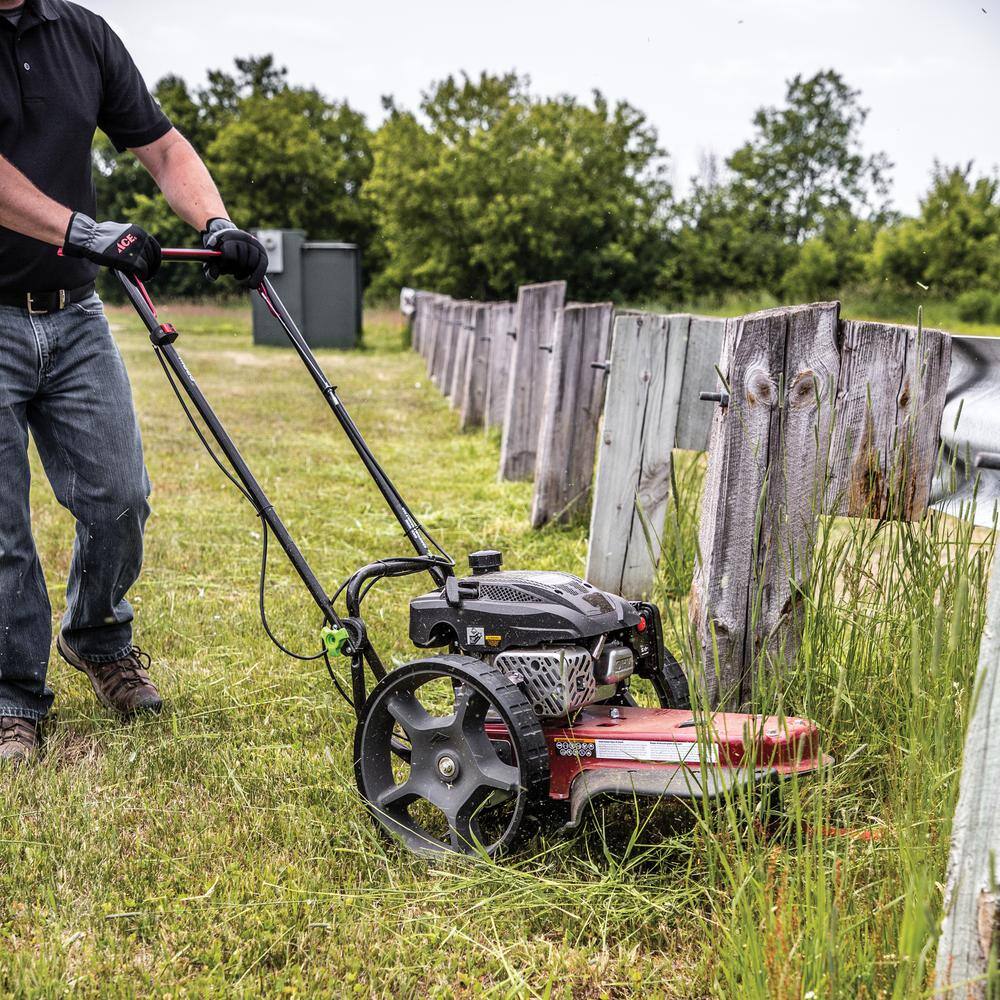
<point x="320" y="284"/>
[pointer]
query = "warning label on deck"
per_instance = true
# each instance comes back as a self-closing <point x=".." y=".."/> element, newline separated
<point x="658" y="750"/>
<point x="575" y="748"/>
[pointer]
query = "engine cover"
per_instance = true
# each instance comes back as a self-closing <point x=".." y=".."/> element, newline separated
<point x="556" y="681"/>
<point x="491" y="612"/>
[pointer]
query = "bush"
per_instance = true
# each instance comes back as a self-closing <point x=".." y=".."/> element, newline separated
<point x="979" y="305"/>
<point x="814" y="275"/>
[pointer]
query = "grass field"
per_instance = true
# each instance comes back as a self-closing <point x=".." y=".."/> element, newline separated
<point x="222" y="850"/>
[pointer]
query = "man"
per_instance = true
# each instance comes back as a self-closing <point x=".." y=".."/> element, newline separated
<point x="64" y="73"/>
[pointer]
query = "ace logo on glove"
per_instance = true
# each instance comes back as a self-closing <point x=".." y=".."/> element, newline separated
<point x="120" y="245"/>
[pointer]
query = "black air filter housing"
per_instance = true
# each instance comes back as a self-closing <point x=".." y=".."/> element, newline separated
<point x="507" y="609"/>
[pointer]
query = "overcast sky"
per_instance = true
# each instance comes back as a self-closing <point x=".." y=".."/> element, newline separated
<point x="928" y="69"/>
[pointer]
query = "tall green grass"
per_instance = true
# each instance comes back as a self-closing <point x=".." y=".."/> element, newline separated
<point x="222" y="850"/>
<point x="840" y="896"/>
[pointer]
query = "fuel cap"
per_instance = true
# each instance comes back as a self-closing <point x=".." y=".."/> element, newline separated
<point x="485" y="561"/>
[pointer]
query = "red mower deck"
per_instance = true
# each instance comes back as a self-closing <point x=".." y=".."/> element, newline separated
<point x="659" y="752"/>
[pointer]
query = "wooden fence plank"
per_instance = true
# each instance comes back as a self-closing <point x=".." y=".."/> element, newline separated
<point x="574" y="397"/>
<point x="799" y="462"/>
<point x="421" y="310"/>
<point x="970" y="934"/>
<point x="536" y="313"/>
<point x="636" y="440"/>
<point x="500" y="327"/>
<point x="452" y="332"/>
<point x="735" y="480"/>
<point x="824" y="418"/>
<point x="473" y="394"/>
<point x="464" y="329"/>
<point x="437" y="334"/>
<point x="891" y="396"/>
<point x="704" y="349"/>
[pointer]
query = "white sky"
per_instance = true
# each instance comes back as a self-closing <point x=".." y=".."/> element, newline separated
<point x="928" y="69"/>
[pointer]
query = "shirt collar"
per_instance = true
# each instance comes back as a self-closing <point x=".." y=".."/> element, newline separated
<point x="45" y="10"/>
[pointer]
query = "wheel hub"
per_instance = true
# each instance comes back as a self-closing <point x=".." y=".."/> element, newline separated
<point x="448" y="767"/>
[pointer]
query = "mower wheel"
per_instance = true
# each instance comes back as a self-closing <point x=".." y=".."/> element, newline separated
<point x="457" y="788"/>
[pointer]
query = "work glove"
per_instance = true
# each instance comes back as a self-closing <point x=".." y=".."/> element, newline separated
<point x="120" y="245"/>
<point x="243" y="256"/>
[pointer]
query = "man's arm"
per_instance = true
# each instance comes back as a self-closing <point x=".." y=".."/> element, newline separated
<point x="190" y="191"/>
<point x="183" y="178"/>
<point x="25" y="210"/>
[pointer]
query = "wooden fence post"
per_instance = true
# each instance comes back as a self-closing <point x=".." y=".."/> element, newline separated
<point x="421" y="308"/>
<point x="437" y="332"/>
<point x="820" y="418"/>
<point x="452" y="327"/>
<point x="501" y="332"/>
<point x="536" y="313"/>
<point x="463" y="342"/>
<point x="634" y="452"/>
<point x="893" y="386"/>
<point x="574" y="398"/>
<point x="704" y="349"/>
<point x="476" y="378"/>
<point x="970" y="935"/>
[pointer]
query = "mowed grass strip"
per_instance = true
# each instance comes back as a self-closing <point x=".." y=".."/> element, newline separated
<point x="222" y="849"/>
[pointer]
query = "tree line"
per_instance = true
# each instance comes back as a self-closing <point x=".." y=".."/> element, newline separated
<point x="486" y="185"/>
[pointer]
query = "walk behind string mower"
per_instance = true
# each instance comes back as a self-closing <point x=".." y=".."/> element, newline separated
<point x="523" y="710"/>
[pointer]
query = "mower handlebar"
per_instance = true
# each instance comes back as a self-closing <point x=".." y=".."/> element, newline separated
<point x="183" y="253"/>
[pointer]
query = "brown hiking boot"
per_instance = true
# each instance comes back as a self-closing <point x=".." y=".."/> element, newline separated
<point x="121" y="685"/>
<point x="18" y="739"/>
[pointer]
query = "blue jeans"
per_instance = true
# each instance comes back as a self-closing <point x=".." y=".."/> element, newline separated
<point x="61" y="376"/>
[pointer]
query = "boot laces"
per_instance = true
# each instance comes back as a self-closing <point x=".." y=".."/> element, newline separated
<point x="128" y="672"/>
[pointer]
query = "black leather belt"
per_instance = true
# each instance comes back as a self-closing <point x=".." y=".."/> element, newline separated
<point x="46" y="302"/>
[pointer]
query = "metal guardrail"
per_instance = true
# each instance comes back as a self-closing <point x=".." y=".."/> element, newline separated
<point x="969" y="485"/>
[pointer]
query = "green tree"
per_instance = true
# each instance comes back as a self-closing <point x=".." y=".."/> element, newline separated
<point x="805" y="165"/>
<point x="293" y="159"/>
<point x="953" y="244"/>
<point x="715" y="247"/>
<point x="489" y="187"/>
<point x="794" y="209"/>
<point x="282" y="156"/>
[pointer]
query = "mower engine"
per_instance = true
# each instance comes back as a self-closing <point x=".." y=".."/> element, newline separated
<point x="565" y="643"/>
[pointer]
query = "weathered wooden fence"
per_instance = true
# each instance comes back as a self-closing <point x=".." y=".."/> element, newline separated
<point x="813" y="415"/>
<point x="817" y="416"/>
<point x="537" y="308"/>
<point x="571" y="412"/>
<point x="970" y="935"/>
<point x="658" y="365"/>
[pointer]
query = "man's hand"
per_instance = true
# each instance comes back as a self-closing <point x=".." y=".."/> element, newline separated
<point x="243" y="256"/>
<point x="120" y="245"/>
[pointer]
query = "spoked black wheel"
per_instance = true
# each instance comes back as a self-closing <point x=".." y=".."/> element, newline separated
<point x="430" y="772"/>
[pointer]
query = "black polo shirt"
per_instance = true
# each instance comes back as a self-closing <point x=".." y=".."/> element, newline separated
<point x="63" y="74"/>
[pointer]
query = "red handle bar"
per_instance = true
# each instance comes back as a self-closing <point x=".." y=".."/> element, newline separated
<point x="182" y="253"/>
<point x="185" y="253"/>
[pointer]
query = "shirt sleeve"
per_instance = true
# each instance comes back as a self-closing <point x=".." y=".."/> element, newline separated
<point x="129" y="115"/>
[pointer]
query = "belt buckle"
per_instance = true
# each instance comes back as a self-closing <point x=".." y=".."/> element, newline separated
<point x="32" y="311"/>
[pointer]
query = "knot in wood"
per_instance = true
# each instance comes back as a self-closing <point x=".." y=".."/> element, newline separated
<point x="759" y="387"/>
<point x="804" y="389"/>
